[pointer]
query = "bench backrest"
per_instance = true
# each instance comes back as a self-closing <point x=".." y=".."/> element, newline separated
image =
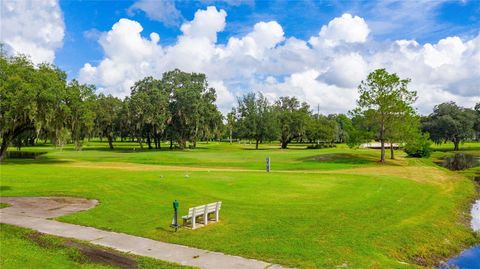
<point x="200" y="210"/>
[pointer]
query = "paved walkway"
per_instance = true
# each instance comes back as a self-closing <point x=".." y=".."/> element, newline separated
<point x="32" y="213"/>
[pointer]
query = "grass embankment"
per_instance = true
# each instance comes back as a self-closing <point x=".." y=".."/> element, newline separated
<point x="316" y="209"/>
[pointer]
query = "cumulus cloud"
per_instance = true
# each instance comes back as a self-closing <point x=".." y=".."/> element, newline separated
<point x="347" y="28"/>
<point x="158" y="10"/>
<point x="206" y="24"/>
<point x="324" y="71"/>
<point x="127" y="58"/>
<point x="32" y="27"/>
<point x="346" y="71"/>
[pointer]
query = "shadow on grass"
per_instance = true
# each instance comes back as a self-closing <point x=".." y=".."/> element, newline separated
<point x="139" y="150"/>
<point x="5" y="188"/>
<point x="39" y="160"/>
<point x="339" y="158"/>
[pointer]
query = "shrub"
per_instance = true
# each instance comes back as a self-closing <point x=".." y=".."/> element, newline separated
<point x="321" y="146"/>
<point x="419" y="147"/>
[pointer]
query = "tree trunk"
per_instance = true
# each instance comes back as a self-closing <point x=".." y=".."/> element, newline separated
<point x="159" y="142"/>
<point x="382" y="142"/>
<point x="284" y="144"/>
<point x="455" y="143"/>
<point x="3" y="149"/>
<point x="256" y="143"/>
<point x="171" y="143"/>
<point x="110" y="140"/>
<point x="382" y="151"/>
<point x="149" y="142"/>
<point x="392" y="156"/>
<point x="184" y="143"/>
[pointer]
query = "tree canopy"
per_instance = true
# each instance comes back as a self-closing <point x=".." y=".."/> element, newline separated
<point x="384" y="102"/>
<point x="255" y="118"/>
<point x="449" y="122"/>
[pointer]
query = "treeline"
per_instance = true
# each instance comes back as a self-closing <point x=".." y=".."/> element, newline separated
<point x="285" y="120"/>
<point x="37" y="102"/>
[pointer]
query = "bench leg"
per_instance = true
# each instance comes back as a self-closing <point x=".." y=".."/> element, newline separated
<point x="205" y="215"/>
<point x="193" y="222"/>
<point x="217" y="215"/>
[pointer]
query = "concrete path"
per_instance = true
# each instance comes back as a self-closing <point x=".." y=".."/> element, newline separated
<point x="32" y="213"/>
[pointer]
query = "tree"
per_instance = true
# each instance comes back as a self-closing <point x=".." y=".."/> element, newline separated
<point x="149" y="110"/>
<point x="292" y="118"/>
<point x="418" y="145"/>
<point x="30" y="99"/>
<point x="230" y="124"/>
<point x="361" y="130"/>
<point x="384" y="97"/>
<point x="193" y="113"/>
<point x="477" y="122"/>
<point x="210" y="122"/>
<point x="80" y="100"/>
<point x="401" y="128"/>
<point x="343" y="126"/>
<point x="255" y="118"/>
<point x="449" y="122"/>
<point x="107" y="113"/>
<point x="320" y="129"/>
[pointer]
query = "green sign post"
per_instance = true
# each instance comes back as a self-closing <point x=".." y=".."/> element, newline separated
<point x="175" y="215"/>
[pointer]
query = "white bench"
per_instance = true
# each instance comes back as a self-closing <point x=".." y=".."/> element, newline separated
<point x="202" y="211"/>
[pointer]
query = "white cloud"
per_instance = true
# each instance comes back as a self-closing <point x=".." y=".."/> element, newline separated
<point x="35" y="28"/>
<point x="225" y="98"/>
<point x="323" y="71"/>
<point x="346" y="71"/>
<point x="347" y="28"/>
<point x="205" y="24"/>
<point x="127" y="58"/>
<point x="234" y="3"/>
<point x="158" y="10"/>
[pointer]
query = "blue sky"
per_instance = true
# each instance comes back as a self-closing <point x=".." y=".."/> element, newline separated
<point x="318" y="51"/>
<point x="300" y="19"/>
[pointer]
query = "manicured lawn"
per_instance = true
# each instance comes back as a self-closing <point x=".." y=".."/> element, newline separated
<point x="216" y="155"/>
<point x="316" y="209"/>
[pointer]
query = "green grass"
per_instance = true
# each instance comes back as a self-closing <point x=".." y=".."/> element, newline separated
<point x="23" y="248"/>
<point x="317" y="209"/>
<point x="213" y="155"/>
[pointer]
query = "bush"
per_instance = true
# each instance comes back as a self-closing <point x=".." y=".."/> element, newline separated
<point x="321" y="146"/>
<point x="419" y="147"/>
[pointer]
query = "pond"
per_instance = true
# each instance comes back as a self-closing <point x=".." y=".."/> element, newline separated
<point x="469" y="258"/>
<point x="460" y="161"/>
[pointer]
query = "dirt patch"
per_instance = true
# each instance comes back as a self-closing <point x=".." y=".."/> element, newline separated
<point x="87" y="253"/>
<point x="103" y="256"/>
<point x="46" y="207"/>
<point x="39" y="239"/>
